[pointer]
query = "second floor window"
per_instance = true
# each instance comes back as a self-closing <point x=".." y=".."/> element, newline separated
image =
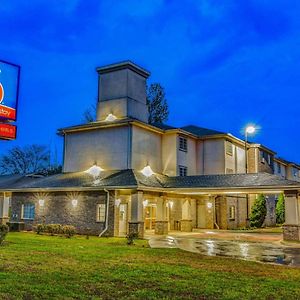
<point x="229" y="148"/>
<point x="182" y="144"/>
<point x="279" y="168"/>
<point x="182" y="171"/>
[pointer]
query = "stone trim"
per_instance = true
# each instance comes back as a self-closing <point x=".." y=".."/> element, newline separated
<point x="291" y="232"/>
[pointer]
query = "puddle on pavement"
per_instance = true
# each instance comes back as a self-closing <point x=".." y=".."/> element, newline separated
<point x="261" y="252"/>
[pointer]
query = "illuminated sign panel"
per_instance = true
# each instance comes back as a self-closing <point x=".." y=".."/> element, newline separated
<point x="8" y="132"/>
<point x="9" y="89"/>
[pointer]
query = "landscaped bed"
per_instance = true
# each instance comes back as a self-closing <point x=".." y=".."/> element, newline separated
<point x="44" y="267"/>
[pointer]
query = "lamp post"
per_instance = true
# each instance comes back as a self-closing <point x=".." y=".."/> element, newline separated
<point x="248" y="130"/>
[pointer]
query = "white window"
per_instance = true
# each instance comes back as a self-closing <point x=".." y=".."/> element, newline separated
<point x="182" y="171"/>
<point x="231" y="212"/>
<point x="182" y="144"/>
<point x="101" y="210"/>
<point x="28" y="211"/>
<point x="229" y="148"/>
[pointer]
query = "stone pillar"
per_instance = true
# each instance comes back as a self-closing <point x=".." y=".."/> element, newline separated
<point x="4" y="207"/>
<point x="291" y="227"/>
<point x="161" y="224"/>
<point x="186" y="221"/>
<point x="136" y="224"/>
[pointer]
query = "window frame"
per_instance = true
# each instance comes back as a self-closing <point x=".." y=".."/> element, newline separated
<point x="101" y="212"/>
<point x="232" y="212"/>
<point x="184" y="169"/>
<point x="182" y="143"/>
<point x="231" y="147"/>
<point x="24" y="211"/>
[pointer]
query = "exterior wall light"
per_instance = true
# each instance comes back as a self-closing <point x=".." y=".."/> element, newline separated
<point x="145" y="203"/>
<point x="94" y="171"/>
<point x="74" y="202"/>
<point x="117" y="202"/>
<point x="41" y="202"/>
<point x="147" y="171"/>
<point x="209" y="205"/>
<point x="171" y="203"/>
<point x="110" y="118"/>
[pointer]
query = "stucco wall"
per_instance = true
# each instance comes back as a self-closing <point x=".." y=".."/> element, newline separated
<point x="146" y="149"/>
<point x="108" y="147"/>
<point x="210" y="157"/>
<point x="58" y="209"/>
<point x="169" y="154"/>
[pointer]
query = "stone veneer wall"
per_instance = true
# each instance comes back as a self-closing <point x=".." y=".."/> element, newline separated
<point x="58" y="209"/>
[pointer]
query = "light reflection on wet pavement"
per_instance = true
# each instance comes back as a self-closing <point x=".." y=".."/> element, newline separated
<point x="252" y="251"/>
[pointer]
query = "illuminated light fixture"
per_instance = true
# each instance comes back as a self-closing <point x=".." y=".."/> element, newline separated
<point x="117" y="202"/>
<point x="41" y="202"/>
<point x="145" y="202"/>
<point x="209" y="205"/>
<point x="171" y="203"/>
<point x="250" y="129"/>
<point x="74" y="202"/>
<point x="147" y="171"/>
<point x="110" y="118"/>
<point x="94" y="171"/>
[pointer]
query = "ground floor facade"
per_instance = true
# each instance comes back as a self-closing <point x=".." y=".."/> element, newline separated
<point x="119" y="212"/>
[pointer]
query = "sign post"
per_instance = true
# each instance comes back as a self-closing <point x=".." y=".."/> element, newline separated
<point x="9" y="94"/>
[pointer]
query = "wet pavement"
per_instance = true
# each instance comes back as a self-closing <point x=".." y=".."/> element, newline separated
<point x="247" y="250"/>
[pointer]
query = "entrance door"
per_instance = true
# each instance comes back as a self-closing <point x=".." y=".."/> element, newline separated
<point x="123" y="219"/>
<point x="150" y="217"/>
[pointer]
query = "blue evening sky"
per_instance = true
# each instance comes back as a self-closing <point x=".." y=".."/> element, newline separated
<point x="223" y="63"/>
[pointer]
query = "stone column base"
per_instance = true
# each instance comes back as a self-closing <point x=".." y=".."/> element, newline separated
<point x="4" y="220"/>
<point x="161" y="227"/>
<point x="291" y="232"/>
<point x="186" y="225"/>
<point x="137" y="228"/>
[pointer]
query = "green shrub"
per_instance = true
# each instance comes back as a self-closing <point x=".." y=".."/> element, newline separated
<point x="3" y="233"/>
<point x="131" y="237"/>
<point x="258" y="212"/>
<point x="280" y="210"/>
<point x="54" y="229"/>
<point x="68" y="230"/>
<point x="40" y="228"/>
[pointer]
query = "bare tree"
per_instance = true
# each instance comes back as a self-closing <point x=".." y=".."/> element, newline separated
<point x="157" y="103"/>
<point x="89" y="115"/>
<point x="26" y="160"/>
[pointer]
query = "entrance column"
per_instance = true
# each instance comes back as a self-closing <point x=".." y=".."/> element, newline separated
<point x="4" y="207"/>
<point x="291" y="227"/>
<point x="186" y="221"/>
<point x="161" y="224"/>
<point x="136" y="224"/>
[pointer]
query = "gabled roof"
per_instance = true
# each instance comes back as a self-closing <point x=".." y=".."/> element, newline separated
<point x="200" y="131"/>
<point x="132" y="179"/>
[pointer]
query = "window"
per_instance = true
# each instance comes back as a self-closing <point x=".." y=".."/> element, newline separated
<point x="295" y="172"/>
<point x="28" y="211"/>
<point x="101" y="210"/>
<point x="229" y="171"/>
<point x="261" y="155"/>
<point x="229" y="148"/>
<point x="182" y="144"/>
<point x="279" y="168"/>
<point x="269" y="159"/>
<point x="231" y="212"/>
<point x="182" y="171"/>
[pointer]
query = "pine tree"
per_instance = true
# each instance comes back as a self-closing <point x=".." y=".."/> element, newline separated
<point x="280" y="210"/>
<point x="258" y="212"/>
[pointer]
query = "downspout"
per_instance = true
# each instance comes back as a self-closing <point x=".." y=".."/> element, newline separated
<point x="106" y="217"/>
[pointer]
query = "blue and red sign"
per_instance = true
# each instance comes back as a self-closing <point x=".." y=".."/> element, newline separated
<point x="9" y="90"/>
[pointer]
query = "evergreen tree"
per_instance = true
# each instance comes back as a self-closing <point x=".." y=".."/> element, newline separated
<point x="258" y="212"/>
<point x="280" y="210"/>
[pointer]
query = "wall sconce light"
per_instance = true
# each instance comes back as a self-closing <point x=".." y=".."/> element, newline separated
<point x="209" y="205"/>
<point x="41" y="202"/>
<point x="117" y="202"/>
<point x="94" y="171"/>
<point x="171" y="203"/>
<point x="147" y="171"/>
<point x="145" y="203"/>
<point x="74" y="202"/>
<point x="110" y="118"/>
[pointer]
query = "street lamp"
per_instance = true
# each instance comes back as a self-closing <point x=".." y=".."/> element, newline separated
<point x="249" y="130"/>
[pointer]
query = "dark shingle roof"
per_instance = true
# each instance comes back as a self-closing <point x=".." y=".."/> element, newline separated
<point x="200" y="131"/>
<point x="163" y="126"/>
<point x="135" y="179"/>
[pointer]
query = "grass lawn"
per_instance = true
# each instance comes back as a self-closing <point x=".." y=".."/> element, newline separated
<point x="44" y="267"/>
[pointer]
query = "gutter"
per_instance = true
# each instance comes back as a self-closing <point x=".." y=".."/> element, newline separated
<point x="106" y="216"/>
